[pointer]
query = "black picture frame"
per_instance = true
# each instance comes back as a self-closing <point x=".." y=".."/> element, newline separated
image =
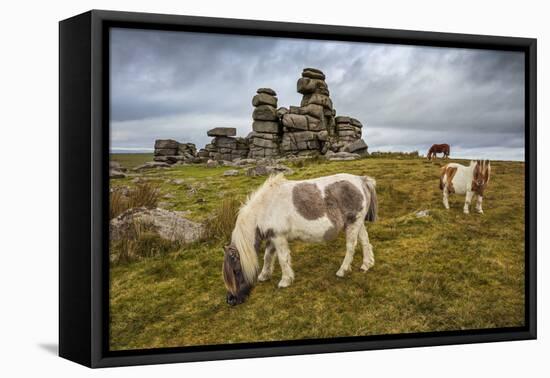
<point x="83" y="181"/>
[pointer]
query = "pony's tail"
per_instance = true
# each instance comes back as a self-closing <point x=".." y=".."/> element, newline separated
<point x="370" y="188"/>
<point x="441" y="177"/>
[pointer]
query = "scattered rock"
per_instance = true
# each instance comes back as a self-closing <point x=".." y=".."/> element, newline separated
<point x="151" y="165"/>
<point x="169" y="225"/>
<point x="212" y="164"/>
<point x="265" y="170"/>
<point x="231" y="172"/>
<point x="114" y="174"/>
<point x="241" y="162"/>
<point x="422" y="213"/>
<point x="115" y="165"/>
<point x="341" y="156"/>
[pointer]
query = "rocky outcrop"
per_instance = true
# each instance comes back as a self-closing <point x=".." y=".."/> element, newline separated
<point x="170" y="152"/>
<point x="169" y="225"/>
<point x="306" y="130"/>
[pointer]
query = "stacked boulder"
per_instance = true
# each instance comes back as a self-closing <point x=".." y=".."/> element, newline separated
<point x="224" y="146"/>
<point x="265" y="138"/>
<point x="305" y="127"/>
<point x="348" y="129"/>
<point x="349" y="134"/>
<point x="170" y="151"/>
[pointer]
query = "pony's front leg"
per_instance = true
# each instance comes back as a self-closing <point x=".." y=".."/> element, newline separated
<point x="368" y="256"/>
<point x="267" y="270"/>
<point x="446" y="197"/>
<point x="283" y="253"/>
<point x="469" y="195"/>
<point x="351" y="242"/>
<point x="479" y="202"/>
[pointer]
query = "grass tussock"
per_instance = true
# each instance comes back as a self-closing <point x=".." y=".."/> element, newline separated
<point x="141" y="242"/>
<point x="444" y="271"/>
<point x="142" y="195"/>
<point x="222" y="222"/>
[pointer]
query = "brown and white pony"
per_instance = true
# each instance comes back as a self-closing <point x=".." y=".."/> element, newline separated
<point x="435" y="149"/>
<point x="282" y="210"/>
<point x="456" y="178"/>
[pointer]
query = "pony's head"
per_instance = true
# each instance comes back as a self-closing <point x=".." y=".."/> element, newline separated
<point x="235" y="281"/>
<point x="482" y="174"/>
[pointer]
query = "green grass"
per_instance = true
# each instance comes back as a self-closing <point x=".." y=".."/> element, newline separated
<point x="131" y="160"/>
<point x="447" y="271"/>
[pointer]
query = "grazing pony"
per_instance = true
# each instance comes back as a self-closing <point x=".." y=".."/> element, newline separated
<point x="310" y="210"/>
<point x="439" y="148"/>
<point x="456" y="178"/>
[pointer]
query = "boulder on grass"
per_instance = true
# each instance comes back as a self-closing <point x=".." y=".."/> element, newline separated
<point x="341" y="156"/>
<point x="266" y="170"/>
<point x="115" y="174"/>
<point x="151" y="165"/>
<point x="169" y="225"/>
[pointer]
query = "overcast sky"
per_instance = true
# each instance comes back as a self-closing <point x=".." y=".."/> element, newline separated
<point x="178" y="85"/>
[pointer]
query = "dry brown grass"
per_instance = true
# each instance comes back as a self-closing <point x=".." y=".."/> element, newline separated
<point x="141" y="241"/>
<point x="220" y="225"/>
<point x="143" y="195"/>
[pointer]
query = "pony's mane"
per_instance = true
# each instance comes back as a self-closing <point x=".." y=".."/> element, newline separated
<point x="244" y="233"/>
<point x="272" y="181"/>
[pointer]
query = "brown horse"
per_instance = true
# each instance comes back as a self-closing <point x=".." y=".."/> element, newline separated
<point x="439" y="148"/>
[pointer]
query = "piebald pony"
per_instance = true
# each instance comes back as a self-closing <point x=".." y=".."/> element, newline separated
<point x="456" y="178"/>
<point x="281" y="210"/>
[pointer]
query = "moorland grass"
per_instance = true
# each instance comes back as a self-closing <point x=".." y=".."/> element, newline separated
<point x="445" y="271"/>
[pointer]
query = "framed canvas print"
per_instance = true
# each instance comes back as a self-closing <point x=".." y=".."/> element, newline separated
<point x="234" y="188"/>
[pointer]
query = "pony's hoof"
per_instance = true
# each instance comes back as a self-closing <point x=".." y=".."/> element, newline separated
<point x="285" y="282"/>
<point x="264" y="277"/>
<point x="340" y="273"/>
<point x="480" y="211"/>
<point x="366" y="267"/>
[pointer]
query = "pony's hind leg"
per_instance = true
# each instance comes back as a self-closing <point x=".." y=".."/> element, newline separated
<point x="283" y="253"/>
<point x="351" y="242"/>
<point x="368" y="256"/>
<point x="269" y="255"/>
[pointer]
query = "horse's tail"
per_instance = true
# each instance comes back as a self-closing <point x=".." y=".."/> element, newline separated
<point x="372" y="206"/>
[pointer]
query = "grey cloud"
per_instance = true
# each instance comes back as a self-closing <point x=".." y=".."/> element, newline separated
<point x="174" y="84"/>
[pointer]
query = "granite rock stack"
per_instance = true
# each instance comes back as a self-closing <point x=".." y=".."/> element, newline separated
<point x="313" y="128"/>
<point x="265" y="136"/>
